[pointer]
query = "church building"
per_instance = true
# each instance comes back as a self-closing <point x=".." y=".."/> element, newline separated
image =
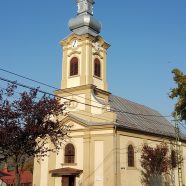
<point x="107" y="131"/>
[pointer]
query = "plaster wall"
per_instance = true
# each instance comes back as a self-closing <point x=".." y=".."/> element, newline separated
<point x="36" y="173"/>
<point x="73" y="82"/>
<point x="103" y="157"/>
<point x="98" y="163"/>
<point x="2" y="183"/>
<point x="131" y="175"/>
<point x="42" y="177"/>
<point x="79" y="102"/>
<point x="98" y="83"/>
<point x="78" y="144"/>
<point x="184" y="164"/>
<point x="81" y="99"/>
<point x="97" y="107"/>
<point x="86" y="54"/>
<point x="44" y="170"/>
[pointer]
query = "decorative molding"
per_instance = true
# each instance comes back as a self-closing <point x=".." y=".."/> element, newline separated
<point x="74" y="52"/>
<point x="101" y="101"/>
<point x="84" y="37"/>
<point x="98" y="54"/>
<point x="68" y="164"/>
<point x="73" y="103"/>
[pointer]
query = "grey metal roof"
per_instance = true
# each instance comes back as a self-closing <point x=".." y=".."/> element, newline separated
<point x="134" y="116"/>
<point x="88" y="122"/>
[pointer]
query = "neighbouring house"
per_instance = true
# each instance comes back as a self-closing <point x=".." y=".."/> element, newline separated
<point x="2" y="174"/>
<point x="8" y="178"/>
<point x="107" y="131"/>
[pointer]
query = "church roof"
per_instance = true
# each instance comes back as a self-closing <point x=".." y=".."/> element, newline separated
<point x="134" y="116"/>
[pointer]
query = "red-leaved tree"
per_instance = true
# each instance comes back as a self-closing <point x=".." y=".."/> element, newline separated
<point x="27" y="124"/>
<point x="156" y="162"/>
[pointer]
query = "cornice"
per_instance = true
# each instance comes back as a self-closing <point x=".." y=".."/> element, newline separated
<point x="73" y="89"/>
<point x="91" y="127"/>
<point x="80" y="88"/>
<point x="84" y="37"/>
<point x="102" y="91"/>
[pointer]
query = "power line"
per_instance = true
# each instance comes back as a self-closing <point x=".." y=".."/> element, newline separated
<point x="92" y="116"/>
<point x="24" y="77"/>
<point x="101" y="118"/>
<point x="183" y="126"/>
<point x="19" y="93"/>
<point x="41" y="83"/>
<point x="44" y="92"/>
<point x="137" y="114"/>
<point x="96" y="117"/>
<point x="105" y="119"/>
<point x="25" y="86"/>
<point x="152" y="141"/>
<point x="114" y="110"/>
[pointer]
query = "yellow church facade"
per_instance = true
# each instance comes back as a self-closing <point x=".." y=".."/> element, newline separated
<point x="107" y="132"/>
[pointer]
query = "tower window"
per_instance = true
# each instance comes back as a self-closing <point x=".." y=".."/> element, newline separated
<point x="74" y="66"/>
<point x="69" y="153"/>
<point x="130" y="156"/>
<point x="97" y="68"/>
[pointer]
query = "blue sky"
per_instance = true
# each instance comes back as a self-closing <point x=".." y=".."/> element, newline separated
<point x="147" y="37"/>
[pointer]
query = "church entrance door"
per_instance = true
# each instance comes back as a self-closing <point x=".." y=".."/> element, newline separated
<point x="68" y="181"/>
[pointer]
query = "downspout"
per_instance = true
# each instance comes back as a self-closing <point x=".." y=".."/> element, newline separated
<point x="116" y="145"/>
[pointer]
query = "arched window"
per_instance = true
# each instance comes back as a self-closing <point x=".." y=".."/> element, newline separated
<point x="97" y="67"/>
<point x="74" y="66"/>
<point x="69" y="153"/>
<point x="130" y="156"/>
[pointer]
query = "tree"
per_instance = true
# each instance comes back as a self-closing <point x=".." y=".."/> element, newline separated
<point x="29" y="165"/>
<point x="155" y="163"/>
<point x="180" y="93"/>
<point x="27" y="124"/>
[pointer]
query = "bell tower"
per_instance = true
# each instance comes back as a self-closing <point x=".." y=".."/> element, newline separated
<point x="84" y="51"/>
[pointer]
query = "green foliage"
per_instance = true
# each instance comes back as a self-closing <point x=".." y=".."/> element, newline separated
<point x="180" y="93"/>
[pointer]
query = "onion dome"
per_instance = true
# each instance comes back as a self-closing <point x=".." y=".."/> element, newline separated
<point x="84" y="22"/>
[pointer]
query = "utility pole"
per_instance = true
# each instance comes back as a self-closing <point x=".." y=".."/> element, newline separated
<point x="173" y="183"/>
<point x="178" y="150"/>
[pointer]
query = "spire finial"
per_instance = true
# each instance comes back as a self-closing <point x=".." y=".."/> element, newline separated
<point x="84" y="22"/>
<point x="85" y="7"/>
